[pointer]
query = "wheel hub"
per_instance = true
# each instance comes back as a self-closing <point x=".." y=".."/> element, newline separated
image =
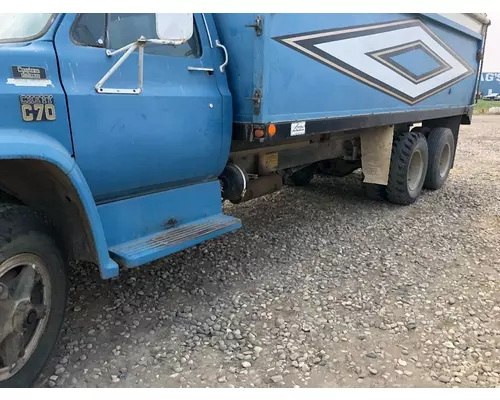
<point x="24" y="302"/>
<point x="415" y="170"/>
<point x="4" y="291"/>
<point x="11" y="349"/>
<point x="31" y="317"/>
<point x="444" y="160"/>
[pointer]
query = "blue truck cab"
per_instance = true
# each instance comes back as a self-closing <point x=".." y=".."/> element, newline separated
<point x="123" y="134"/>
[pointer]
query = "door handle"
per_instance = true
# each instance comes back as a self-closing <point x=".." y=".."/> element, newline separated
<point x="226" y="56"/>
<point x="209" y="71"/>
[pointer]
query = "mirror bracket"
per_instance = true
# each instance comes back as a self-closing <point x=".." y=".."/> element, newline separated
<point x="129" y="49"/>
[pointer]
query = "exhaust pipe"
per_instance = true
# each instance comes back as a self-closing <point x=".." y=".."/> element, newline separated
<point x="237" y="187"/>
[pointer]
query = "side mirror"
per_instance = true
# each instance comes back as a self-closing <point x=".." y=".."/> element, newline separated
<point x="174" y="27"/>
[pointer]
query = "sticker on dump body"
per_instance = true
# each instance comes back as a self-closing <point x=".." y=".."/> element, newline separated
<point x="298" y="128"/>
<point x="28" y="76"/>
<point x="36" y="108"/>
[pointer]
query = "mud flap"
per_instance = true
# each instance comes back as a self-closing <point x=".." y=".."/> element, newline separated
<point x="376" y="147"/>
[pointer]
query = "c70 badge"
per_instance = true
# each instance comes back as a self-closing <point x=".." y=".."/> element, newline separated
<point x="35" y="108"/>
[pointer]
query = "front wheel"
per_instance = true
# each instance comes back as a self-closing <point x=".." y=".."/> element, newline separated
<point x="33" y="294"/>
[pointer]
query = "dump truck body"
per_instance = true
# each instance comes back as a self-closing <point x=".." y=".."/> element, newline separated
<point x="315" y="73"/>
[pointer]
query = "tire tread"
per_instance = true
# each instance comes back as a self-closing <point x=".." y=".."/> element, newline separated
<point x="436" y="139"/>
<point x="20" y="223"/>
<point x="402" y="148"/>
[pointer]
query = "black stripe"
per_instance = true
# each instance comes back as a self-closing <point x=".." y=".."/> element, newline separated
<point x="243" y="138"/>
<point x="375" y="28"/>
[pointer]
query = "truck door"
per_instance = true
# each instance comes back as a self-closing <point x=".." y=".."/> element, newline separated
<point x="129" y="144"/>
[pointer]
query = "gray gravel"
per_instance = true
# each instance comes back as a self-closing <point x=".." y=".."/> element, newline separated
<point x="321" y="288"/>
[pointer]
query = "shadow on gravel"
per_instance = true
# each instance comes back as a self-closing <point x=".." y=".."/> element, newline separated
<point x="158" y="294"/>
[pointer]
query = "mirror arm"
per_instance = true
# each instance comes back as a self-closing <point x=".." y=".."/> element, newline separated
<point x="129" y="49"/>
<point x="110" y="53"/>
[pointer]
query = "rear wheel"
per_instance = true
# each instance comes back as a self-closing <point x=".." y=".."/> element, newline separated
<point x="33" y="293"/>
<point x="441" y="149"/>
<point x="409" y="161"/>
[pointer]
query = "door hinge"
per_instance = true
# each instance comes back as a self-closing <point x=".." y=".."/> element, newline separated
<point x="257" y="26"/>
<point x="257" y="99"/>
<point x="479" y="55"/>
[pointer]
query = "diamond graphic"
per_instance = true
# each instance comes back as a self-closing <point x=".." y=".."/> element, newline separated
<point x="389" y="57"/>
<point x="404" y="59"/>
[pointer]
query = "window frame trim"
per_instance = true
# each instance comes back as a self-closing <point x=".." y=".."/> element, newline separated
<point x="105" y="45"/>
<point x="76" y="42"/>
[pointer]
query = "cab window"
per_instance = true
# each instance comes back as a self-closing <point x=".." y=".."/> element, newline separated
<point x="114" y="31"/>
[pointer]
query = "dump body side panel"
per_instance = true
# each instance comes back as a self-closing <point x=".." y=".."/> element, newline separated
<point x="322" y="66"/>
<point x="317" y="67"/>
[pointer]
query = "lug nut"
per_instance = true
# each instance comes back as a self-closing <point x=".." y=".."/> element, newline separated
<point x="31" y="317"/>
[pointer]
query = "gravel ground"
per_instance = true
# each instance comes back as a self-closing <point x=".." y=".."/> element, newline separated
<point x="320" y="288"/>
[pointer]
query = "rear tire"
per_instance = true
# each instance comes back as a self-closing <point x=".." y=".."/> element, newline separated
<point x="441" y="144"/>
<point x="409" y="161"/>
<point x="28" y="242"/>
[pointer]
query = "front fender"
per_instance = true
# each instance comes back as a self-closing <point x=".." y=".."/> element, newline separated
<point x="29" y="144"/>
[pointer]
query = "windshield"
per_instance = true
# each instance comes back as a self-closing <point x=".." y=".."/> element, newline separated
<point x="18" y="27"/>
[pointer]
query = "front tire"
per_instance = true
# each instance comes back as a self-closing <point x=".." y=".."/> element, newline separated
<point x="409" y="161"/>
<point x="33" y="294"/>
<point x="441" y="149"/>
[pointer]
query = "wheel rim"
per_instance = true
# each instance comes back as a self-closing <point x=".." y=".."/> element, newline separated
<point x="25" y="299"/>
<point x="444" y="160"/>
<point x="415" y="170"/>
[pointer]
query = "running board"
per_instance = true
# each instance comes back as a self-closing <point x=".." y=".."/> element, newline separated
<point x="161" y="244"/>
